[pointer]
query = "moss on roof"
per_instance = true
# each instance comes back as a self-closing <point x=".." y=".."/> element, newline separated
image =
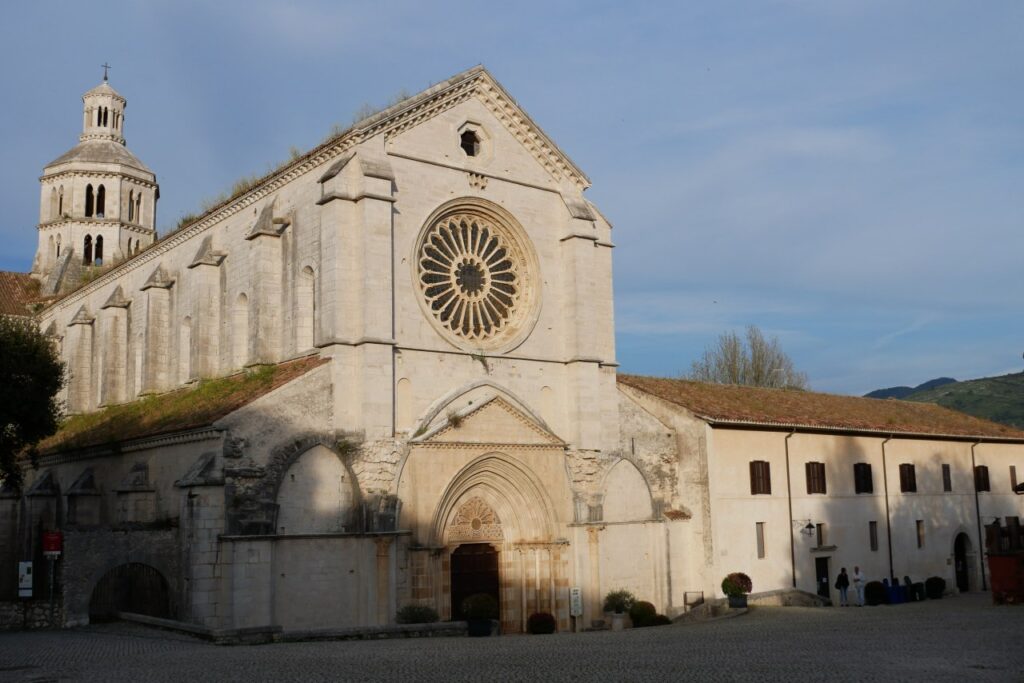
<point x="179" y="410"/>
<point x="17" y="292"/>
<point x="792" y="408"/>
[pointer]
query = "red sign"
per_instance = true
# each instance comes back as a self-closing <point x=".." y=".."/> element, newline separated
<point x="52" y="542"/>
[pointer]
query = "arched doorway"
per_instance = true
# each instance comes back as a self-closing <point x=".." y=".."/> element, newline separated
<point x="961" y="547"/>
<point x="132" y="587"/>
<point x="474" y="569"/>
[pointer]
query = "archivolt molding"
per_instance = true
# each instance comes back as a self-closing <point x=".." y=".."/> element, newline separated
<point x="448" y="399"/>
<point x="514" y="493"/>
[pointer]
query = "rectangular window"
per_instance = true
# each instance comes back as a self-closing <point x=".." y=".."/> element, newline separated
<point x="760" y="478"/>
<point x="981" y="478"/>
<point x="820" y="528"/>
<point x="862" y="480"/>
<point x="873" y="535"/>
<point x="760" y="540"/>
<point x="815" y="477"/>
<point x="920" y="533"/>
<point x="908" y="479"/>
<point x="947" y="479"/>
<point x="1013" y="478"/>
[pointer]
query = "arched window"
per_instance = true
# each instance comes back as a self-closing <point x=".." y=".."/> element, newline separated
<point x="87" y="251"/>
<point x="99" y="116"/>
<point x="88" y="201"/>
<point x="60" y="202"/>
<point x="101" y="197"/>
<point x="138" y="208"/>
<point x="131" y="205"/>
<point x="240" y="332"/>
<point x="106" y="114"/>
<point x="98" y="260"/>
<point x="58" y="246"/>
<point x="51" y="252"/>
<point x="53" y="204"/>
<point x="305" y="309"/>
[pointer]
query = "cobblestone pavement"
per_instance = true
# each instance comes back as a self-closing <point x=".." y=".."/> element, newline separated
<point x="962" y="638"/>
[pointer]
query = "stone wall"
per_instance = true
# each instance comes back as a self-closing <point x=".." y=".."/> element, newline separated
<point x="29" y="614"/>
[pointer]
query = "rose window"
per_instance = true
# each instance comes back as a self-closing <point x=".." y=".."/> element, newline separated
<point x="471" y="276"/>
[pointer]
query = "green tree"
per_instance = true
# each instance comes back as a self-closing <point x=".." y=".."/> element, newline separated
<point x="31" y="374"/>
<point x="753" y="360"/>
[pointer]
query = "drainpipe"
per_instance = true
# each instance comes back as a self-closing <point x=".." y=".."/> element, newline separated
<point x="977" y="511"/>
<point x="885" y="486"/>
<point x="789" y="500"/>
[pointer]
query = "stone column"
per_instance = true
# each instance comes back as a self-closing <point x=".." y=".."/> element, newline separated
<point x="206" y="323"/>
<point x="595" y="608"/>
<point x="80" y="342"/>
<point x="356" y="236"/>
<point x="156" y="375"/>
<point x="384" y="615"/>
<point x="114" y="382"/>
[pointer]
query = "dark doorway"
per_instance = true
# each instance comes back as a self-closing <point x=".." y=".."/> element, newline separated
<point x="821" y="572"/>
<point x="132" y="587"/>
<point x="474" y="570"/>
<point x="960" y="548"/>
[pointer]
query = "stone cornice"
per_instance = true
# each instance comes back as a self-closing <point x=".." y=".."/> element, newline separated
<point x="345" y="196"/>
<point x="132" y="445"/>
<point x="150" y="184"/>
<point x="488" y="444"/>
<point x="409" y="112"/>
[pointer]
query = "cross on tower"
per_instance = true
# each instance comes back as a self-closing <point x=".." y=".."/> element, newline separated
<point x="105" y="67"/>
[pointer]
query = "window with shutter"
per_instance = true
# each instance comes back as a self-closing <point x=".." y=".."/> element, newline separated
<point x="873" y="535"/>
<point x="1013" y="478"/>
<point x="760" y="478"/>
<point x="981" y="478"/>
<point x="862" y="480"/>
<point x="815" y="477"/>
<point x="908" y="479"/>
<point x="947" y="478"/>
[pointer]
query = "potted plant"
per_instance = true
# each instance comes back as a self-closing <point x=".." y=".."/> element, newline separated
<point x="736" y="586"/>
<point x="540" y="623"/>
<point x="480" y="610"/>
<point x="618" y="603"/>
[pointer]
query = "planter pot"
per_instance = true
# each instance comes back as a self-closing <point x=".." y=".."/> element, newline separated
<point x="479" y="628"/>
<point x="618" y="621"/>
<point x="737" y="601"/>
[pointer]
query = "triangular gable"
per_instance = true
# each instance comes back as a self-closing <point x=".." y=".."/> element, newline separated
<point x="476" y="82"/>
<point x="495" y="421"/>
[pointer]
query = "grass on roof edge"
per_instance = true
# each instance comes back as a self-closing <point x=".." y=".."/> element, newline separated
<point x="184" y="408"/>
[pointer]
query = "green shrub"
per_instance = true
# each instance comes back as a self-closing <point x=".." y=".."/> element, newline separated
<point x="540" y="622"/>
<point x="641" y="613"/>
<point x="619" y="601"/>
<point x="934" y="587"/>
<point x="416" y="614"/>
<point x="875" y="593"/>
<point x="480" y="606"/>
<point x="659" y="620"/>
<point x="736" y="584"/>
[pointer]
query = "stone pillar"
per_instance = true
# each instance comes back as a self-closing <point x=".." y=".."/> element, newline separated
<point x="595" y="606"/>
<point x="266" y="276"/>
<point x="114" y="382"/>
<point x="80" y="343"/>
<point x="206" y="323"/>
<point x="357" y="317"/>
<point x="156" y="374"/>
<point x="384" y="613"/>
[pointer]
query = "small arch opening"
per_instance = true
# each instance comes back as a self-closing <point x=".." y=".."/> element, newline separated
<point x="98" y="253"/>
<point x="101" y="198"/>
<point x="60" y="202"/>
<point x="87" y="251"/>
<point x="470" y="143"/>
<point x="89" y="201"/>
<point x="131" y="205"/>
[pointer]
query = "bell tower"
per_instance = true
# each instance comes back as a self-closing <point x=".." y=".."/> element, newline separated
<point x="98" y="200"/>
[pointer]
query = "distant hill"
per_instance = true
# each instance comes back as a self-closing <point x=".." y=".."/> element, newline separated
<point x="1000" y="399"/>
<point x="903" y="392"/>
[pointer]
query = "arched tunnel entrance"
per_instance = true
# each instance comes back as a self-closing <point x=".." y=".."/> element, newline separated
<point x="132" y="587"/>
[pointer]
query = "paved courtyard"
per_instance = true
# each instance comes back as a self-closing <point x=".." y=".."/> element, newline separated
<point x="963" y="638"/>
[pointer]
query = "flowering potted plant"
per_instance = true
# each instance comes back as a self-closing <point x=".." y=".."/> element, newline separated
<point x="736" y="586"/>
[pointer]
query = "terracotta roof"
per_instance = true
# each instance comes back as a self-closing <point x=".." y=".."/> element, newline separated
<point x="183" y="409"/>
<point x="17" y="291"/>
<point x="726" y="404"/>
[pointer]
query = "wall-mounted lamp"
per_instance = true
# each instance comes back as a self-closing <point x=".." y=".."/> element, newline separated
<point x="809" y="529"/>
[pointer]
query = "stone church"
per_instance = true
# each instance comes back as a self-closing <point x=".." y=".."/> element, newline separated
<point x="384" y="374"/>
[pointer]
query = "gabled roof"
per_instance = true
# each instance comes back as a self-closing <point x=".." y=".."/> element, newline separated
<point x="176" y="411"/>
<point x="740" y="406"/>
<point x="17" y="291"/>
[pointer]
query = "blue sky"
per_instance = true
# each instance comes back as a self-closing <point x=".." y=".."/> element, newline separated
<point x="846" y="175"/>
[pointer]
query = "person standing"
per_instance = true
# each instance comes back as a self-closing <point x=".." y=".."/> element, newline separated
<point x="858" y="585"/>
<point x="843" y="584"/>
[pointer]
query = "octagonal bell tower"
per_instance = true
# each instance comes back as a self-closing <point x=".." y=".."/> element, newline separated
<point x="98" y="201"/>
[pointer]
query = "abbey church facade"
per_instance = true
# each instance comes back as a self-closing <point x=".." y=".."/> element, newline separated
<point x="385" y="375"/>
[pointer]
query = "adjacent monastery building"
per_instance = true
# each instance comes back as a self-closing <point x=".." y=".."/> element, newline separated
<point x="385" y="375"/>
